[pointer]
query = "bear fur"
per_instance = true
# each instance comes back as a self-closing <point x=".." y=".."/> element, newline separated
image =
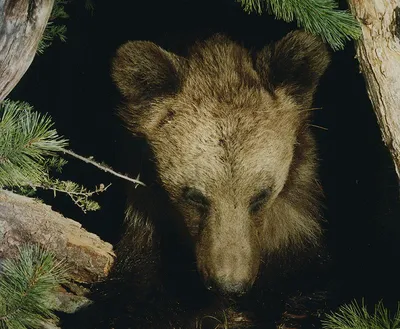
<point x="234" y="206"/>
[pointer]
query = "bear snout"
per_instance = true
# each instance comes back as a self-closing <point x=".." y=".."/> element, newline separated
<point x="232" y="277"/>
<point x="228" y="288"/>
<point x="228" y="270"/>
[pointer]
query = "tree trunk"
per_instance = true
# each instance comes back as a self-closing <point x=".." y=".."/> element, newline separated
<point x="26" y="220"/>
<point x="378" y="52"/>
<point x="22" y="23"/>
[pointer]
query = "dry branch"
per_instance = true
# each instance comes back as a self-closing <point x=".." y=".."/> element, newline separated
<point x="378" y="52"/>
<point x="22" y="23"/>
<point x="26" y="220"/>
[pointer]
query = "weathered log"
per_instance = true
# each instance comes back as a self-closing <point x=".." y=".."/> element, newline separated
<point x="22" y="23"/>
<point x="26" y="220"/>
<point x="378" y="52"/>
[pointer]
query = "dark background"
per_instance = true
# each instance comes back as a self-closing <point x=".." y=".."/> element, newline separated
<point x="71" y="82"/>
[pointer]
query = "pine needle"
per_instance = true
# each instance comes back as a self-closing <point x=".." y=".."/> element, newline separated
<point x="80" y="195"/>
<point x="319" y="17"/>
<point x="27" y="283"/>
<point x="27" y="140"/>
<point x="89" y="5"/>
<point x="28" y="153"/>
<point x="356" y="316"/>
<point x="30" y="149"/>
<point x="54" y="31"/>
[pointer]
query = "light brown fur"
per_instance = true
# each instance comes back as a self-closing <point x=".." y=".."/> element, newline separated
<point x="229" y="127"/>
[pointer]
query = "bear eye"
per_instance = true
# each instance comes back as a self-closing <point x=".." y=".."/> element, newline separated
<point x="196" y="197"/>
<point x="259" y="200"/>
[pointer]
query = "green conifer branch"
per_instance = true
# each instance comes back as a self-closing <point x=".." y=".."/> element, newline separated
<point x="57" y="31"/>
<point x="356" y="316"/>
<point x="89" y="5"/>
<point x="319" y="17"/>
<point x="27" y="140"/>
<point x="80" y="195"/>
<point x="26" y="286"/>
<point x="53" y="31"/>
<point x="29" y="152"/>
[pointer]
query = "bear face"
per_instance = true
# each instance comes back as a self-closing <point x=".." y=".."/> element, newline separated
<point x="229" y="132"/>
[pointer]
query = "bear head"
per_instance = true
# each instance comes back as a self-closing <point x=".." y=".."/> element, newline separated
<point x="231" y="140"/>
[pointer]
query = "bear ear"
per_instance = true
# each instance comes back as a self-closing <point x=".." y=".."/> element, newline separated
<point x="143" y="71"/>
<point x="294" y="64"/>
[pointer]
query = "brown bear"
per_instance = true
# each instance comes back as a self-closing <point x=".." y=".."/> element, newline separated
<point x="235" y="200"/>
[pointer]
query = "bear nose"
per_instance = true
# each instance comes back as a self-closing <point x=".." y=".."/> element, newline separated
<point x="228" y="288"/>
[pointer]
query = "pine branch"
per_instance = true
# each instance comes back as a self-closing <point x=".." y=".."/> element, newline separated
<point x="78" y="194"/>
<point x="26" y="287"/>
<point x="58" y="10"/>
<point x="319" y="17"/>
<point x="29" y="151"/>
<point x="53" y="31"/>
<point x="89" y="5"/>
<point x="27" y="141"/>
<point x="56" y="31"/>
<point x="355" y="316"/>
<point x="50" y="33"/>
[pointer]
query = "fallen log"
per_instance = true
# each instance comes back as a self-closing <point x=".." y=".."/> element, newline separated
<point x="26" y="220"/>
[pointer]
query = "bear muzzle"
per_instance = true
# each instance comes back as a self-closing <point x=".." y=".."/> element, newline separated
<point x="228" y="271"/>
<point x="228" y="288"/>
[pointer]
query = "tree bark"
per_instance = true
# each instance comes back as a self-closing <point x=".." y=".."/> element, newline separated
<point x="22" y="23"/>
<point x="378" y="52"/>
<point x="26" y="220"/>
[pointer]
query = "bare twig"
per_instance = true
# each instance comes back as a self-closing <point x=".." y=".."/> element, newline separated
<point x="102" y="167"/>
